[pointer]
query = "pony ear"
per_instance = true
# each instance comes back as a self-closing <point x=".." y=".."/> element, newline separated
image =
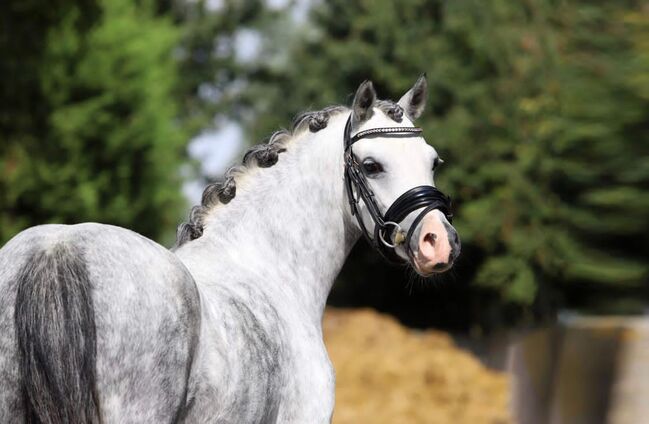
<point x="414" y="101"/>
<point x="363" y="103"/>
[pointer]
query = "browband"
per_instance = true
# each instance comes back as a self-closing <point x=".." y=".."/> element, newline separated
<point x="385" y="130"/>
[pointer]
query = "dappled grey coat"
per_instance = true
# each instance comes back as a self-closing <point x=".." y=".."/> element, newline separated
<point x="99" y="324"/>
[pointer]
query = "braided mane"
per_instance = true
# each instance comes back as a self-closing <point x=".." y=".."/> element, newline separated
<point x="263" y="156"/>
<point x="260" y="156"/>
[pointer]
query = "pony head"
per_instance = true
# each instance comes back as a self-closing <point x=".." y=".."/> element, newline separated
<point x="390" y="175"/>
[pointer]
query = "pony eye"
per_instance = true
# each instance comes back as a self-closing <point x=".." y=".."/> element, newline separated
<point x="370" y="167"/>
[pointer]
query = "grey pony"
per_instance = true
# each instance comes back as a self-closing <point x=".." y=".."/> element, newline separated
<point x="100" y="324"/>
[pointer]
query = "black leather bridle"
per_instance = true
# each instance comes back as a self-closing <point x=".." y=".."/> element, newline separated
<point x="387" y="231"/>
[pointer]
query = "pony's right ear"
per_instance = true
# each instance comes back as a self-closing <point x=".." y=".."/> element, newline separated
<point x="363" y="103"/>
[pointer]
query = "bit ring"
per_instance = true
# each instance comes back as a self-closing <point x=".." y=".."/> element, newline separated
<point x="397" y="228"/>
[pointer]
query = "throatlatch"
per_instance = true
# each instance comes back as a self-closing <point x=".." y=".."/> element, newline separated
<point x="387" y="230"/>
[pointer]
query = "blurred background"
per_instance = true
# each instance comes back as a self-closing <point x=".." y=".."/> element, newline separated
<point x="120" y="111"/>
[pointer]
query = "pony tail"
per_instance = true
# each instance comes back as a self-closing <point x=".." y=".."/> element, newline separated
<point x="55" y="330"/>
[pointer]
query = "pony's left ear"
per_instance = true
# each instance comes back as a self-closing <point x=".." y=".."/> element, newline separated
<point x="414" y="101"/>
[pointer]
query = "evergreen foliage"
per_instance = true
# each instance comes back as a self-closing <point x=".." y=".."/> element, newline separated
<point x="539" y="109"/>
<point x="212" y="71"/>
<point x="87" y="116"/>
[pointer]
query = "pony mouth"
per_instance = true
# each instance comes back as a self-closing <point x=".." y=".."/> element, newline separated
<point x="428" y="269"/>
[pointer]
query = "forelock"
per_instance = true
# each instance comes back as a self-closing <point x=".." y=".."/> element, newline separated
<point x="391" y="109"/>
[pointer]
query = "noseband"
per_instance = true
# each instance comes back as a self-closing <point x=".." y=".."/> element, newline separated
<point x="387" y="230"/>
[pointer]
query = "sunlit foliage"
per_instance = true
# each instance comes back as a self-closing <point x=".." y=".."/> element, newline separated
<point x="539" y="109"/>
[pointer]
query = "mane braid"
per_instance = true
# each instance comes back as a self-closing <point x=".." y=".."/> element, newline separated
<point x="391" y="109"/>
<point x="262" y="155"/>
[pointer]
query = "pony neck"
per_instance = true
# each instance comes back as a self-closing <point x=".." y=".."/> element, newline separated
<point x="289" y="225"/>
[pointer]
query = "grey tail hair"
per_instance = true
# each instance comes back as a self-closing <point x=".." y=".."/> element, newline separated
<point x="55" y="329"/>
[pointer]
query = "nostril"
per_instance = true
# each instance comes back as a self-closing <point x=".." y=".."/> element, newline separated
<point x="456" y="239"/>
<point x="430" y="238"/>
<point x="440" y="265"/>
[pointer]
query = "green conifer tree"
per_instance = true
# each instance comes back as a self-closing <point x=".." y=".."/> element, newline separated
<point x="539" y="109"/>
<point x="87" y="116"/>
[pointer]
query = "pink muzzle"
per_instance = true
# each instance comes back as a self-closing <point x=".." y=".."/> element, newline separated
<point x="438" y="244"/>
